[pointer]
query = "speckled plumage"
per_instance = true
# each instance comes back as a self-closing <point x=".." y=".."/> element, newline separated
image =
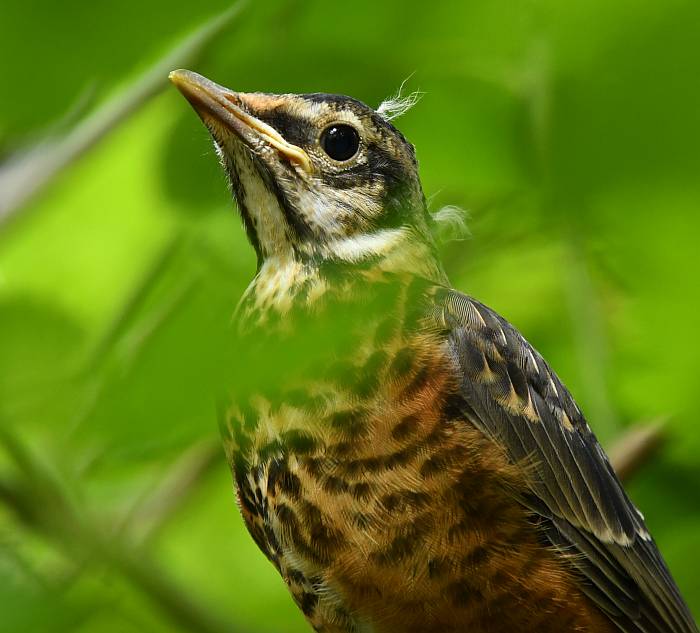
<point x="401" y="454"/>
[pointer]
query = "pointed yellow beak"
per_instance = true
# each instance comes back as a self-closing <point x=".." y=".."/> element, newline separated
<point x="213" y="102"/>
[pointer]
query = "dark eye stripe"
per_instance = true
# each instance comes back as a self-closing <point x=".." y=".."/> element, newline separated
<point x="294" y="129"/>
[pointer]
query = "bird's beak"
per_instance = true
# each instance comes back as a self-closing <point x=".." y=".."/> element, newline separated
<point x="222" y="107"/>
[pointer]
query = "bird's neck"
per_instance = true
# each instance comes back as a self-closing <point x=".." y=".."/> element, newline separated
<point x="289" y="281"/>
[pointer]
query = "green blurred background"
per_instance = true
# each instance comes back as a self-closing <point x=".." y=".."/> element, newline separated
<point x="569" y="130"/>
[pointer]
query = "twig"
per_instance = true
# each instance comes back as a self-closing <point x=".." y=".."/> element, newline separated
<point x="42" y="505"/>
<point x="27" y="173"/>
<point x="150" y="515"/>
<point x="636" y="447"/>
<point x="133" y="303"/>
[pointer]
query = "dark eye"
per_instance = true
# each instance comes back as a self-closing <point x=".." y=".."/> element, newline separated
<point x="340" y="141"/>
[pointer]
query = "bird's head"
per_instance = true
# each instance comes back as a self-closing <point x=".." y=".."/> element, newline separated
<point x="317" y="177"/>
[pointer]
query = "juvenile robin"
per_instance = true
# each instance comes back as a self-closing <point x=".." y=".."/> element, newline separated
<point x="402" y="455"/>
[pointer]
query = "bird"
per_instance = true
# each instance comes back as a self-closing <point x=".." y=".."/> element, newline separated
<point x="402" y="455"/>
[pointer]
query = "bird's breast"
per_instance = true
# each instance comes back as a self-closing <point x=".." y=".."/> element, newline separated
<point x="383" y="508"/>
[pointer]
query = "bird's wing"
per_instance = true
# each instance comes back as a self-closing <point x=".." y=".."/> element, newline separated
<point x="511" y="395"/>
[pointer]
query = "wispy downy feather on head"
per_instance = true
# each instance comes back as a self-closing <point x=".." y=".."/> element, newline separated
<point x="450" y="222"/>
<point x="398" y="104"/>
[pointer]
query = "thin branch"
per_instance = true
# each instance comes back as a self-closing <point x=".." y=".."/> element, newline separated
<point x="150" y="515"/>
<point x="28" y="172"/>
<point x="636" y="447"/>
<point x="126" y="312"/>
<point x="42" y="505"/>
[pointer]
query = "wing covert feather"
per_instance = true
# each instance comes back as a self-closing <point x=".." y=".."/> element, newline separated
<point x="512" y="396"/>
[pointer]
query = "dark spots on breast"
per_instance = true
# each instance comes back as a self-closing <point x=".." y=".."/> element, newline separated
<point x="364" y="465"/>
<point x="485" y="505"/>
<point x="352" y="423"/>
<point x="402" y="457"/>
<point x="369" y="375"/>
<point x="324" y="540"/>
<point x="386" y="330"/>
<point x="361" y="491"/>
<point x="361" y="520"/>
<point x="270" y="450"/>
<point x="418" y="382"/>
<point x="335" y="485"/>
<point x="444" y="459"/>
<point x="430" y="467"/>
<point x="405" y="428"/>
<point x="504" y="598"/>
<point x="299" y="442"/>
<point x="246" y="499"/>
<point x="274" y="471"/>
<point x="341" y="449"/>
<point x="289" y="522"/>
<point x="260" y="500"/>
<point x="272" y="544"/>
<point x="455" y="408"/>
<point x="240" y="464"/>
<point x="436" y="435"/>
<point x="476" y="557"/>
<point x="311" y="514"/>
<point x="307" y="603"/>
<point x="295" y="576"/>
<point x="408" y="539"/>
<point x="405" y="500"/>
<point x="301" y="399"/>
<point x="457" y="530"/>
<point x="256" y="531"/>
<point x="243" y="444"/>
<point x="462" y="594"/>
<point x="289" y="484"/>
<point x="315" y="466"/>
<point x="401" y="546"/>
<point x="438" y="567"/>
<point x="402" y="362"/>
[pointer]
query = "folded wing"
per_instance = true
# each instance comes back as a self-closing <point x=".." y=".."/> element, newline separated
<point x="512" y="395"/>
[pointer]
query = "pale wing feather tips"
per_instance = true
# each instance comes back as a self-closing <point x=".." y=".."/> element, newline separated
<point x="586" y="513"/>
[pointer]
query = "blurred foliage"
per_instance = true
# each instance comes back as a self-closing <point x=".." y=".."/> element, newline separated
<point x="569" y="130"/>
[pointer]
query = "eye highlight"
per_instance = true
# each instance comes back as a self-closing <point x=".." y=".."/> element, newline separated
<point x="340" y="141"/>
